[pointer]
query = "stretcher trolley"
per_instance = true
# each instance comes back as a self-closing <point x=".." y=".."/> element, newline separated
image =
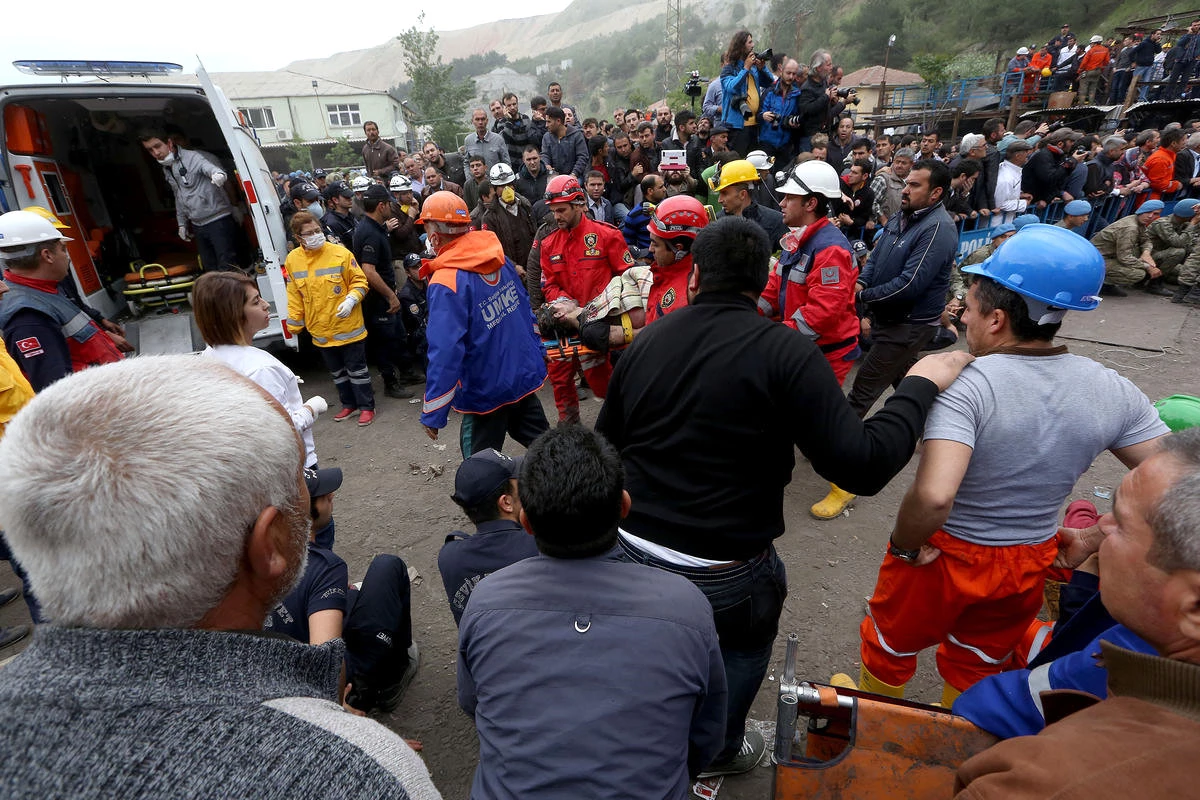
<point x="832" y="742"/>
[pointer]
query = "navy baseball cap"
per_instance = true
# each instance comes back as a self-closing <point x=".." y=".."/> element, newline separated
<point x="339" y="189"/>
<point x="321" y="482"/>
<point x="482" y="474"/>
<point x="305" y="191"/>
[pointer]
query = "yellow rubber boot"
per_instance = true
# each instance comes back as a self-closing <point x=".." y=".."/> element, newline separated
<point x="869" y="683"/>
<point x="834" y="503"/>
<point x="843" y="681"/>
<point x="949" y="695"/>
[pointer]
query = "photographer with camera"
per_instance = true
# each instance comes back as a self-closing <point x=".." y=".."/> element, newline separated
<point x="744" y="78"/>
<point x="813" y="104"/>
<point x="777" y="134"/>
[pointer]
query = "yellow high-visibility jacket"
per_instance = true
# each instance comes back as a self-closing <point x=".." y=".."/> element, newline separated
<point x="318" y="282"/>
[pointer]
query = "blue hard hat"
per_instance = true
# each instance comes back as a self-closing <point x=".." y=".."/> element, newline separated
<point x="1053" y="266"/>
<point x="1149" y="206"/>
<point x="1025" y="219"/>
<point x="1077" y="208"/>
<point x="1186" y="208"/>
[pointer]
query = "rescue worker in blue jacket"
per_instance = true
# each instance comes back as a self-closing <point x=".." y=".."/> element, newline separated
<point x="485" y="358"/>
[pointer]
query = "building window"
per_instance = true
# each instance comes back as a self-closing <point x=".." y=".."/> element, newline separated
<point x="344" y="115"/>
<point x="258" y="117"/>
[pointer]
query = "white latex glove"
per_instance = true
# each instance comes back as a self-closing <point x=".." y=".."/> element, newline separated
<point x="183" y="234"/>
<point x="317" y="405"/>
<point x="219" y="178"/>
<point x="347" y="306"/>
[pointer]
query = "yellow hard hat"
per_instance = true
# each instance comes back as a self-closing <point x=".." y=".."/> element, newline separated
<point x="47" y="215"/>
<point x="741" y="171"/>
<point x="1046" y="73"/>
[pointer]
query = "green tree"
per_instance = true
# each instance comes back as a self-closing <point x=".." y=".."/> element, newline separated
<point x="441" y="102"/>
<point x="638" y="99"/>
<point x="299" y="156"/>
<point x="343" y="154"/>
<point x="934" y="68"/>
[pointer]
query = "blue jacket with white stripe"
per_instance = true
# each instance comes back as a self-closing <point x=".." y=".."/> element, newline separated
<point x="484" y="351"/>
<point x="908" y="272"/>
<point x="1010" y="704"/>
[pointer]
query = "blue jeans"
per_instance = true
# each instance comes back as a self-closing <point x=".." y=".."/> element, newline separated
<point x="1143" y="74"/>
<point x="747" y="599"/>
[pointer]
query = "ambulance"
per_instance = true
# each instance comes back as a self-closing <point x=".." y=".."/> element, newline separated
<point x="72" y="147"/>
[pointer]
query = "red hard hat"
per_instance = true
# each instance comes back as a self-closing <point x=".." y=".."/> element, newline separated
<point x="563" y="189"/>
<point x="681" y="216"/>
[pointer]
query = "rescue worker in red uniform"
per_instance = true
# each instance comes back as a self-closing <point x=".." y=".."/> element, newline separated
<point x="578" y="260"/>
<point x="673" y="228"/>
<point x="46" y="333"/>
<point x="811" y="287"/>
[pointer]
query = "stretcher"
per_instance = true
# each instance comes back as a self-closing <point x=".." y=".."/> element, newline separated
<point x="563" y="349"/>
<point x="832" y="742"/>
<point x="154" y="285"/>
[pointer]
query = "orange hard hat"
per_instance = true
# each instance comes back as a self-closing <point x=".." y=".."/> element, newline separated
<point x="445" y="207"/>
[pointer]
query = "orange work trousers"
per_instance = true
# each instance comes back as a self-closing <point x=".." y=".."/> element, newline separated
<point x="596" y="371"/>
<point x="974" y="602"/>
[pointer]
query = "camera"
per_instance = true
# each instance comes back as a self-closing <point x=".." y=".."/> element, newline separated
<point x="849" y="95"/>
<point x="744" y="107"/>
<point x="693" y="88"/>
<point x="766" y="55"/>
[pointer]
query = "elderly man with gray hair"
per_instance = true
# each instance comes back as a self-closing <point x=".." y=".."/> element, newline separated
<point x="157" y="550"/>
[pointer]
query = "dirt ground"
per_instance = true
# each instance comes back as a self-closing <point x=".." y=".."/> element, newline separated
<point x="396" y="499"/>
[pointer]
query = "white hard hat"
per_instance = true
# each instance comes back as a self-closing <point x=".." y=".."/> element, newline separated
<point x="501" y="174"/>
<point x="760" y="160"/>
<point x="1096" y="39"/>
<point x="22" y="231"/>
<point x="812" y="177"/>
<point x="1022" y="51"/>
<point x="361" y="183"/>
<point x="400" y="183"/>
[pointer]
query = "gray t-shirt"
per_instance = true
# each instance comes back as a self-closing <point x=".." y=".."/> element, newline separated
<point x="1035" y="424"/>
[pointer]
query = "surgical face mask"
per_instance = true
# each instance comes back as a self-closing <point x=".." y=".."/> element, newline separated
<point x="167" y="160"/>
<point x="508" y="196"/>
<point x="315" y="209"/>
<point x="313" y="240"/>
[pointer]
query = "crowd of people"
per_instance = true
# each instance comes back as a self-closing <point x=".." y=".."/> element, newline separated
<point x="620" y="594"/>
<point x="1103" y="70"/>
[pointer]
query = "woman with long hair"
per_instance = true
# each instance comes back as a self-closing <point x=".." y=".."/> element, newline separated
<point x="229" y="311"/>
<point x="743" y="80"/>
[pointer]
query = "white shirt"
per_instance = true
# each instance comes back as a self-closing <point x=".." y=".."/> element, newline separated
<point x="1008" y="188"/>
<point x="280" y="382"/>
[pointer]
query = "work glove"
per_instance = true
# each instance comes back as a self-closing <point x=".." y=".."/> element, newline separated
<point x="346" y="306"/>
<point x="183" y="233"/>
<point x="317" y="405"/>
<point x="219" y="178"/>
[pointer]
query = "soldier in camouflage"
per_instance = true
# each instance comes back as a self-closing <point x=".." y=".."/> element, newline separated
<point x="1126" y="248"/>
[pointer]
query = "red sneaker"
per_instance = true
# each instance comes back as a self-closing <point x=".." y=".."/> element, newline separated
<point x="366" y="418"/>
<point x="345" y="413"/>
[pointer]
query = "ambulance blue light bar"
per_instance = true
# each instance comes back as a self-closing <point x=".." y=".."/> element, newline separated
<point x="99" y="69"/>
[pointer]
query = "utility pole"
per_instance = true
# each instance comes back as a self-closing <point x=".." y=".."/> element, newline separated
<point x="673" y="57"/>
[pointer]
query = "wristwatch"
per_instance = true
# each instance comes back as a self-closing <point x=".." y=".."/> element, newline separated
<point x="909" y="556"/>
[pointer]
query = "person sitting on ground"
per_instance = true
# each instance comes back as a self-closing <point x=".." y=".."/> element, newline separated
<point x="373" y="617"/>
<point x="485" y="488"/>
<point x="229" y="310"/>
<point x="157" y="631"/>
<point x="547" y="647"/>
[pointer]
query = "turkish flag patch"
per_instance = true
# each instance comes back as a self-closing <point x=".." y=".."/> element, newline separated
<point x="30" y="347"/>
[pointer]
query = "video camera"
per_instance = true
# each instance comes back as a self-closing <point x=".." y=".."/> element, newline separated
<point x="693" y="88"/>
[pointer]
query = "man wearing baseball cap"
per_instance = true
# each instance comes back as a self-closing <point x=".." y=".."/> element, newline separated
<point x="485" y="488"/>
<point x="339" y="199"/>
<point x="373" y="617"/>
<point x="1126" y="247"/>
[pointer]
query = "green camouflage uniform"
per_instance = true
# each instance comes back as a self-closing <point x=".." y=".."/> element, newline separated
<point x="1122" y="245"/>
<point x="977" y="256"/>
<point x="1171" y="239"/>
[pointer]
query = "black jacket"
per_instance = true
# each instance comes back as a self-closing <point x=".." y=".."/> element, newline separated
<point x="769" y="219"/>
<point x="529" y="187"/>
<point x="1044" y="175"/>
<point x="812" y="106"/>
<point x="706" y="408"/>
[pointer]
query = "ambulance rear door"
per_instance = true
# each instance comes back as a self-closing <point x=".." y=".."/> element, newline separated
<point x="255" y="181"/>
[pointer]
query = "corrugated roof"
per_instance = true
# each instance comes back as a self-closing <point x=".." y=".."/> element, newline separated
<point x="873" y="76"/>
